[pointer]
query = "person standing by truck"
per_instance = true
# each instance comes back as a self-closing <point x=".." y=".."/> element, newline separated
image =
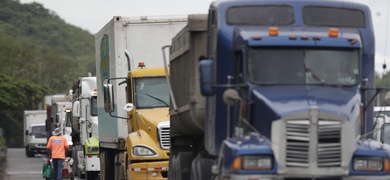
<point x="57" y="147"/>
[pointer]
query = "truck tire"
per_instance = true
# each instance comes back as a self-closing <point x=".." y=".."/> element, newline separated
<point x="26" y="151"/>
<point x="71" y="175"/>
<point x="29" y="152"/>
<point x="107" y="164"/>
<point x="201" y="167"/>
<point x="75" y="168"/>
<point x="91" y="175"/>
<point x="119" y="168"/>
<point x="181" y="166"/>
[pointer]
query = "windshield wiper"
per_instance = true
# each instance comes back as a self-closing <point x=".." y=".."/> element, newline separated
<point x="313" y="74"/>
<point x="158" y="99"/>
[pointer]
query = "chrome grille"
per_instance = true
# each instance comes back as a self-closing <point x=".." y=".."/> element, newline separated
<point x="163" y="132"/>
<point x="329" y="143"/>
<point x="298" y="141"/>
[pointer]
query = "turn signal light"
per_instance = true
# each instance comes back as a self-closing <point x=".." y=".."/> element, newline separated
<point x="387" y="165"/>
<point x="237" y="163"/>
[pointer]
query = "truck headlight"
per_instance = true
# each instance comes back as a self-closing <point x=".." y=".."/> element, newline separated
<point x="35" y="145"/>
<point x="368" y="163"/>
<point x="93" y="149"/>
<point x="253" y="163"/>
<point x="143" y="151"/>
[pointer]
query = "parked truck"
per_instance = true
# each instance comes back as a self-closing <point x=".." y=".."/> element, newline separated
<point x="59" y="115"/>
<point x="34" y="132"/>
<point x="275" y="90"/>
<point x="86" y="161"/>
<point x="133" y="96"/>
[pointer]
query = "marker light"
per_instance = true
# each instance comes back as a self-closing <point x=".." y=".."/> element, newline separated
<point x="94" y="91"/>
<point x="353" y="41"/>
<point x="273" y="31"/>
<point x="292" y="38"/>
<point x="333" y="32"/>
<point x="141" y="64"/>
<point x="304" y="38"/>
<point x="317" y="38"/>
<point x="257" y="38"/>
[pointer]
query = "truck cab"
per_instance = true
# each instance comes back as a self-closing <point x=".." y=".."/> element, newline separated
<point x="148" y="141"/>
<point x="34" y="132"/>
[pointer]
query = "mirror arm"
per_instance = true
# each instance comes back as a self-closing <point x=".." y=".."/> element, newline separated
<point x="377" y="91"/>
<point x="119" y="117"/>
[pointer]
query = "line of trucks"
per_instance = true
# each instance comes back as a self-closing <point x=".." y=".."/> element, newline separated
<point x="255" y="89"/>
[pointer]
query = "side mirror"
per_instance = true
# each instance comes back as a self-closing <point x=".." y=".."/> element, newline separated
<point x="387" y="98"/>
<point x="231" y="97"/>
<point x="76" y="109"/>
<point x="385" y="133"/>
<point x="81" y="120"/>
<point x="128" y="107"/>
<point x="26" y="132"/>
<point x="57" y="117"/>
<point x="206" y="77"/>
<point x="108" y="98"/>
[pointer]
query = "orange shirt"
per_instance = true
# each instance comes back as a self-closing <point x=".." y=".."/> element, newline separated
<point x="57" y="144"/>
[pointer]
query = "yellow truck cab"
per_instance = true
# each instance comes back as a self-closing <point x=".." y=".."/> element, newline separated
<point x="148" y="142"/>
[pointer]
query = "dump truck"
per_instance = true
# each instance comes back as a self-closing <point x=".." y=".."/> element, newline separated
<point x="275" y="90"/>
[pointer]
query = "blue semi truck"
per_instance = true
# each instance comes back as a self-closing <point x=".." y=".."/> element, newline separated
<point x="275" y="89"/>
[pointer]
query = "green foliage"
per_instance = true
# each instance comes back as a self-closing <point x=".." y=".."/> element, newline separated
<point x="17" y="95"/>
<point x="2" y="143"/>
<point x="382" y="81"/>
<point x="39" y="54"/>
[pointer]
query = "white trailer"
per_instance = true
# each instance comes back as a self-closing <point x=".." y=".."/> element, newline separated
<point x="34" y="132"/>
<point x="120" y="46"/>
<point x="85" y="129"/>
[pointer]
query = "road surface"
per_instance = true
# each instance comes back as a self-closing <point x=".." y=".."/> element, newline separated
<point x="19" y="167"/>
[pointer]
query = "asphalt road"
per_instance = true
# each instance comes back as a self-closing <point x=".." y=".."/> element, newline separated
<point x="19" y="167"/>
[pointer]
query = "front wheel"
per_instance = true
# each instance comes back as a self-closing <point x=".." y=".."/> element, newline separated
<point x="181" y="166"/>
<point x="91" y="175"/>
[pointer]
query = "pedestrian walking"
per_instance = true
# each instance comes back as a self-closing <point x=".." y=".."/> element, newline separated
<point x="57" y="148"/>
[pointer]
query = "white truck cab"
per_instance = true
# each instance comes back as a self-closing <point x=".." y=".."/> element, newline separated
<point x="35" y="132"/>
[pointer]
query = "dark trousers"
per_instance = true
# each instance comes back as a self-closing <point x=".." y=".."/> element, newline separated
<point x="57" y="165"/>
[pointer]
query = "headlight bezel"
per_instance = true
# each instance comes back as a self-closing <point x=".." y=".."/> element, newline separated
<point x="253" y="163"/>
<point x="136" y="151"/>
<point x="370" y="164"/>
<point x="93" y="149"/>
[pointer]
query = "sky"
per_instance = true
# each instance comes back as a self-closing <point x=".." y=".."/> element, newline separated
<point x="92" y="15"/>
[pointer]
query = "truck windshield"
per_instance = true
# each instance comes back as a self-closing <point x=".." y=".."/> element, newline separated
<point x="303" y="66"/>
<point x="94" y="106"/>
<point x="38" y="131"/>
<point x="151" y="92"/>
